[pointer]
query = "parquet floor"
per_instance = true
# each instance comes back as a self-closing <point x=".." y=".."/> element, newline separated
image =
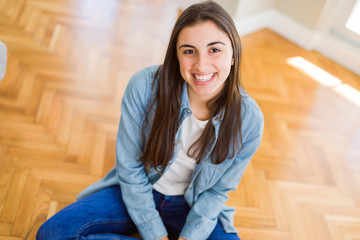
<point x="68" y="64"/>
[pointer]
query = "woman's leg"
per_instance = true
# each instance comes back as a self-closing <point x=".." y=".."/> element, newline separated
<point x="101" y="215"/>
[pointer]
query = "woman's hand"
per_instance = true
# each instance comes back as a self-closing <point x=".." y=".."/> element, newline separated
<point x="164" y="238"/>
<point x="182" y="239"/>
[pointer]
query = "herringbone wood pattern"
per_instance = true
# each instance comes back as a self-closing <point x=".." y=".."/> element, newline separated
<point x="69" y="62"/>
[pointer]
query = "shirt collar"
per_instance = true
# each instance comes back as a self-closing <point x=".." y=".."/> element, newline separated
<point x="185" y="104"/>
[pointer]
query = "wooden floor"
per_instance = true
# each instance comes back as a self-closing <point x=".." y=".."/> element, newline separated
<point x="69" y="62"/>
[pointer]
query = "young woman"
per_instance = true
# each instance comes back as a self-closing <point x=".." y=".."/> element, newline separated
<point x="187" y="133"/>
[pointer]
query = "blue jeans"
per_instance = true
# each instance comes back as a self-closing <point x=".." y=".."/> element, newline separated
<point x="103" y="215"/>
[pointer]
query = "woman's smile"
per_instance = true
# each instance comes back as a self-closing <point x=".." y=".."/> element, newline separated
<point x="204" y="79"/>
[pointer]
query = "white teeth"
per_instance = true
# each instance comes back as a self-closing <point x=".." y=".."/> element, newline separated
<point x="204" y="78"/>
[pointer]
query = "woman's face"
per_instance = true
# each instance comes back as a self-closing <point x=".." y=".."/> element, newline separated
<point x="205" y="57"/>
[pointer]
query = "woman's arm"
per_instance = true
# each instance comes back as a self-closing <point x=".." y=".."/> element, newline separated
<point x="135" y="186"/>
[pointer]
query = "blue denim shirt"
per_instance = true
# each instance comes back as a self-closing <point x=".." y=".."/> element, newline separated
<point x="210" y="183"/>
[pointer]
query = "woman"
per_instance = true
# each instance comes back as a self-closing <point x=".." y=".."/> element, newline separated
<point x="187" y="133"/>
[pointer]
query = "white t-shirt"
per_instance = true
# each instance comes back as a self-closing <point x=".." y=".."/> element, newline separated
<point x="177" y="178"/>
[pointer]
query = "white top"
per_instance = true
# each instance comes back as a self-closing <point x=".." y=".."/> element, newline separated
<point x="177" y="178"/>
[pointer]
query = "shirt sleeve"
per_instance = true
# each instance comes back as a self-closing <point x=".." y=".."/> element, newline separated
<point x="135" y="186"/>
<point x="204" y="213"/>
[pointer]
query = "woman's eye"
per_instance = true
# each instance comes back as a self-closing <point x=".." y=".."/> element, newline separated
<point x="214" y="50"/>
<point x="189" y="51"/>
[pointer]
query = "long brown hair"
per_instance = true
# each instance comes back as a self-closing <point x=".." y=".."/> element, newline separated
<point x="160" y="144"/>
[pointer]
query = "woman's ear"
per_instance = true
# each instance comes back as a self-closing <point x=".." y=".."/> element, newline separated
<point x="232" y="61"/>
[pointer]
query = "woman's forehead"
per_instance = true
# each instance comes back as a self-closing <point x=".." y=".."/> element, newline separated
<point x="202" y="33"/>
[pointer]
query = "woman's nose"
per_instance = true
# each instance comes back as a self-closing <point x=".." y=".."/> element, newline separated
<point x="201" y="63"/>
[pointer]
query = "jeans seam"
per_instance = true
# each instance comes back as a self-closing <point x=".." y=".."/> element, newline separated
<point x="87" y="225"/>
<point x="108" y="237"/>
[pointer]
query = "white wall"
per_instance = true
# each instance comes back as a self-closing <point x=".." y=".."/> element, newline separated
<point x="290" y="21"/>
<point x="306" y="12"/>
<point x="248" y="8"/>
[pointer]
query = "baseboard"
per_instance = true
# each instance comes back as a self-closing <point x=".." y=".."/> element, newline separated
<point x="329" y="45"/>
<point x="339" y="50"/>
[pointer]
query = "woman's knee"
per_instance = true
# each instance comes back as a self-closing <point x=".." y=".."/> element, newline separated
<point x="63" y="225"/>
<point x="100" y="209"/>
<point x="49" y="230"/>
<point x="42" y="233"/>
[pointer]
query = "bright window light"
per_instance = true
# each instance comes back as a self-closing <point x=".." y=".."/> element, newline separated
<point x="326" y="79"/>
<point x="318" y="74"/>
<point x="353" y="23"/>
<point x="348" y="93"/>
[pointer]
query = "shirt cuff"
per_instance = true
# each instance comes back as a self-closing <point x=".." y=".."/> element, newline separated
<point x="153" y="229"/>
<point x="192" y="231"/>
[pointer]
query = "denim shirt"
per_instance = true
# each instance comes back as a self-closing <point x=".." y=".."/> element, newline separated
<point x="210" y="183"/>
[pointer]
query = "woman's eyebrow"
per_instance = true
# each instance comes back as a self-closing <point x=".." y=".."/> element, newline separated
<point x="186" y="45"/>
<point x="214" y="43"/>
<point x="208" y="45"/>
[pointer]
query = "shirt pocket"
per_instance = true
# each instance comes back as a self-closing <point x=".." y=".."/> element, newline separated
<point x="209" y="175"/>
